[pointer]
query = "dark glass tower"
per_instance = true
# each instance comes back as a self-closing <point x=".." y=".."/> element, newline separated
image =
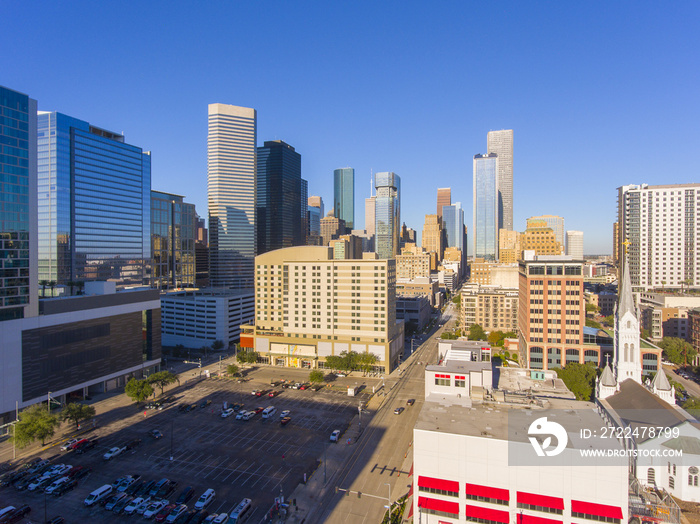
<point x="173" y="237"/>
<point x="94" y="204"/>
<point x="344" y="196"/>
<point x="280" y="206"/>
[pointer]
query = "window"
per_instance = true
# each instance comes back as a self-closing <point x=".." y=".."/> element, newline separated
<point x="460" y="381"/>
<point x="651" y="476"/>
<point x="442" y="380"/>
<point x="671" y="483"/>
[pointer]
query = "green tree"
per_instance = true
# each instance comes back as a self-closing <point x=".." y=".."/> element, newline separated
<point x="366" y="361"/>
<point x="77" y="413"/>
<point x="43" y="284"/>
<point x="592" y="323"/>
<point x="677" y="350"/>
<point x="457" y="299"/>
<point x="247" y="356"/>
<point x="692" y="406"/>
<point x="476" y="332"/>
<point x="644" y="333"/>
<point x="592" y="308"/>
<point x="232" y="369"/>
<point x="609" y="320"/>
<point x="495" y="338"/>
<point x="35" y="423"/>
<point x="138" y="390"/>
<point x="349" y="360"/>
<point x="217" y="345"/>
<point x="334" y="362"/>
<point x="316" y="375"/>
<point x="579" y="378"/>
<point x="446" y="335"/>
<point x="162" y="379"/>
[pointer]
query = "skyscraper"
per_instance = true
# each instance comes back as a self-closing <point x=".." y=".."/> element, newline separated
<point x="501" y="143"/>
<point x="661" y="224"/>
<point x="344" y="196"/>
<point x="279" y="189"/>
<point x="444" y="198"/>
<point x="433" y="236"/>
<point x="315" y="214"/>
<point x="370" y="213"/>
<point x="387" y="214"/>
<point x="485" y="210"/>
<point x="173" y="224"/>
<point x="18" y="206"/>
<point x="231" y="173"/>
<point x="453" y="222"/>
<point x="574" y="244"/>
<point x="94" y="204"/>
<point x="554" y="222"/>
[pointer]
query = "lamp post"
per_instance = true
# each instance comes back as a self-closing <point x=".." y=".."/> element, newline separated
<point x="172" y="434"/>
<point x="325" y="450"/>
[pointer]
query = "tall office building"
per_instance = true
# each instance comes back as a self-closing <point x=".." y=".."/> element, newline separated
<point x="433" y="236"/>
<point x="616" y="243"/>
<point x="387" y="214"/>
<point x="231" y="188"/>
<point x="18" y="206"/>
<point x="555" y="223"/>
<point x="540" y="238"/>
<point x="453" y="222"/>
<point x="660" y="224"/>
<point x="317" y="201"/>
<point x="444" y="198"/>
<point x="279" y="195"/>
<point x="315" y="214"/>
<point x="486" y="206"/>
<point x="344" y="195"/>
<point x="501" y="143"/>
<point x="94" y="204"/>
<point x="574" y="244"/>
<point x="173" y="224"/>
<point x="370" y="210"/>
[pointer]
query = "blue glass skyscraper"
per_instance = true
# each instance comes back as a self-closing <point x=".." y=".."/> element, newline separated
<point x="453" y="221"/>
<point x="94" y="204"/>
<point x="344" y="196"/>
<point x="485" y="193"/>
<point x="18" y="278"/>
<point x="387" y="214"/>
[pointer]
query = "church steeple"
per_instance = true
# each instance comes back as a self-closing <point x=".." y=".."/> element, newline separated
<point x="628" y="354"/>
<point x="626" y="299"/>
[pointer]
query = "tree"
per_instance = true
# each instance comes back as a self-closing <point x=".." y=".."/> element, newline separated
<point x="138" y="390"/>
<point x="349" y="360"/>
<point x="592" y="308"/>
<point x="457" y="299"/>
<point x="232" y="369"/>
<point x="677" y="350"/>
<point x="609" y="320"/>
<point x="579" y="378"/>
<point x="162" y="379"/>
<point x="77" y="412"/>
<point x="247" y="356"/>
<point x="316" y="375"/>
<point x="592" y="323"/>
<point x="52" y="285"/>
<point x="495" y="338"/>
<point x="644" y="333"/>
<point x="217" y="345"/>
<point x="35" y="423"/>
<point x="476" y="332"/>
<point x="43" y="284"/>
<point x="334" y="362"/>
<point x="446" y="335"/>
<point x="366" y="361"/>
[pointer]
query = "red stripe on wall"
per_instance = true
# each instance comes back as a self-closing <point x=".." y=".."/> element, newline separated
<point x="529" y="519"/>
<point x="488" y="492"/>
<point x="540" y="500"/>
<point x="438" y="505"/>
<point x="430" y="482"/>
<point x="600" y="510"/>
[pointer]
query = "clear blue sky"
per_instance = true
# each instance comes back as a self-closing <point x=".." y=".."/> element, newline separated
<point x="600" y="94"/>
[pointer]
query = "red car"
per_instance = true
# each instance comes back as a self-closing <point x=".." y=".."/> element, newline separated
<point x="259" y="410"/>
<point x="285" y="421"/>
<point x="303" y="386"/>
<point x="163" y="513"/>
<point x="273" y="393"/>
<point x="261" y="393"/>
<point x="79" y="443"/>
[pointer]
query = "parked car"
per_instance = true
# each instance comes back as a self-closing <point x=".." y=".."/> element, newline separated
<point x="167" y="489"/>
<point x="16" y="515"/>
<point x="227" y="412"/>
<point x="78" y="443"/>
<point x="155" y="434"/>
<point x="178" y="510"/>
<point x="204" y="404"/>
<point x="119" y="506"/>
<point x="185" y="495"/>
<point x="65" y="488"/>
<point x="259" y="410"/>
<point x="146" y="488"/>
<point x="335" y="436"/>
<point x="273" y="393"/>
<point x="285" y="421"/>
<point x="163" y="513"/>
<point x="141" y="508"/>
<point x="85" y="446"/>
<point x="133" y="505"/>
<point x="128" y="481"/>
<point x="241" y="414"/>
<point x="398" y="411"/>
<point x="154" y="508"/>
<point x="156" y="487"/>
<point x="205" y="499"/>
<point x="221" y="518"/>
<point x="113" y="452"/>
<point x="285" y="413"/>
<point x="113" y="500"/>
<point x="132" y="444"/>
<point x="67" y="445"/>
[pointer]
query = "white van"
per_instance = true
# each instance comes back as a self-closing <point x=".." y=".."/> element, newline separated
<point x="6" y="510"/>
<point x="241" y="513"/>
<point x="269" y="411"/>
<point x="98" y="495"/>
<point x="205" y="499"/>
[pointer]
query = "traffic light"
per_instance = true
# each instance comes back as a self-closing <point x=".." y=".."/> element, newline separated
<point x="336" y="490"/>
<point x="359" y="494"/>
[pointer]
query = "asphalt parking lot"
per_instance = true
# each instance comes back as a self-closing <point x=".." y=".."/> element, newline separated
<point x="258" y="459"/>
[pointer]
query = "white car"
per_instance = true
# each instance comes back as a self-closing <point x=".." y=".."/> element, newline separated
<point x="241" y="414"/>
<point x="249" y="415"/>
<point x="227" y="413"/>
<point x="112" y="453"/>
<point x="335" y="435"/>
<point x="68" y="444"/>
<point x="132" y="506"/>
<point x="144" y="505"/>
<point x="174" y="514"/>
<point x="220" y="519"/>
<point x="126" y="482"/>
<point x="285" y="413"/>
<point x="154" y="508"/>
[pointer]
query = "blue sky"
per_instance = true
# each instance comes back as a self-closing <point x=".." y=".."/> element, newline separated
<point x="598" y="94"/>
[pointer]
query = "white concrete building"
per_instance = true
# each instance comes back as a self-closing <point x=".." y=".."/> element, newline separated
<point x="661" y="224"/>
<point x="574" y="244"/>
<point x="197" y="318"/>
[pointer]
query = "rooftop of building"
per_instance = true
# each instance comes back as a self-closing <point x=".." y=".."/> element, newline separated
<point x="521" y="381"/>
<point x="68" y="304"/>
<point x="192" y="294"/>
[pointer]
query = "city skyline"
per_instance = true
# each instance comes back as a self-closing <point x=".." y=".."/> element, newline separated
<point x="394" y="121"/>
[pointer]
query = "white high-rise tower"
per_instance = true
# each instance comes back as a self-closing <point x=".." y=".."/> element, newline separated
<point x="501" y="143"/>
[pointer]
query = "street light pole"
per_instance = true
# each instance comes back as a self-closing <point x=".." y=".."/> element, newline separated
<point x="172" y="434"/>
<point x="325" y="450"/>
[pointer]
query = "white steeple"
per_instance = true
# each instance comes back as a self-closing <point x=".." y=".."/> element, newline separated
<point x="628" y="354"/>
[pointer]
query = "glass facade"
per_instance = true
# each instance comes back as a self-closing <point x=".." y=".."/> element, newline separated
<point x="453" y="220"/>
<point x="173" y="225"/>
<point x="387" y="214"/>
<point x="94" y="204"/>
<point x="501" y="143"/>
<point x="486" y="206"/>
<point x="281" y="196"/>
<point x="231" y="191"/>
<point x="344" y="196"/>
<point x="17" y="203"/>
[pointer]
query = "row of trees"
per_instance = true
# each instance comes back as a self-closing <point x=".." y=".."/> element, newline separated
<point x="247" y="356"/>
<point x="351" y="360"/>
<point x="140" y="390"/>
<point x="38" y="423"/>
<point x="677" y="350"/>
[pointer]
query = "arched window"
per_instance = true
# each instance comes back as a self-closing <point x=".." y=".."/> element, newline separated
<point x="627" y="353"/>
<point x="671" y="483"/>
<point x="632" y="359"/>
<point x="629" y="324"/>
<point x="651" y="477"/>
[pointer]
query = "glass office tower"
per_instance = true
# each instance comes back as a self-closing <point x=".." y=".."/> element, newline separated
<point x="173" y="224"/>
<point x="18" y="212"/>
<point x="501" y="143"/>
<point x="94" y="204"/>
<point x="485" y="192"/>
<point x="344" y="196"/>
<point x="453" y="222"/>
<point x="231" y="191"/>
<point x="279" y="194"/>
<point x="387" y="214"/>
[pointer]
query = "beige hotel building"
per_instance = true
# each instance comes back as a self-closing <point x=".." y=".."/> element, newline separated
<point x="309" y="306"/>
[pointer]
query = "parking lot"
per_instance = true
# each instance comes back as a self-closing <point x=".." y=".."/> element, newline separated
<point x="258" y="459"/>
